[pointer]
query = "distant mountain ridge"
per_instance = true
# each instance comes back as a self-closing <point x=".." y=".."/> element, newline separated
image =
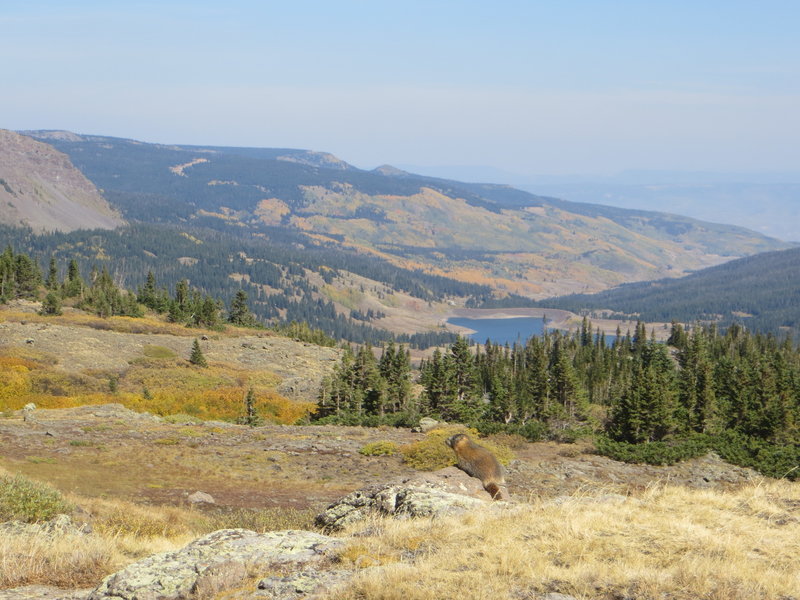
<point x="41" y="189"/>
<point x="761" y="292"/>
<point x="514" y="241"/>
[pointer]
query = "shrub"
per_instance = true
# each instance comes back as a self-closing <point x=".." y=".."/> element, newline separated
<point x="181" y="419"/>
<point x="381" y="448"/>
<point x="23" y="499"/>
<point x="433" y="453"/>
<point x="153" y="351"/>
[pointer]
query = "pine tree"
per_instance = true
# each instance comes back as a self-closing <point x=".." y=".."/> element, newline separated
<point x="148" y="295"/>
<point x="196" y="357"/>
<point x="27" y="275"/>
<point x="251" y="416"/>
<point x="51" y="283"/>
<point x="240" y="311"/>
<point x="465" y="403"/>
<point x="51" y="305"/>
<point x="73" y="285"/>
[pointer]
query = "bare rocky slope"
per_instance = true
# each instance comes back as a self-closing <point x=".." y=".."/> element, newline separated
<point x="40" y="188"/>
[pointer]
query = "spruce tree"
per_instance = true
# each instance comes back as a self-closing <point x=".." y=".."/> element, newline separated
<point x="73" y="285"/>
<point x="51" y="305"/>
<point x="51" y="283"/>
<point x="251" y="416"/>
<point x="240" y="311"/>
<point x="196" y="357"/>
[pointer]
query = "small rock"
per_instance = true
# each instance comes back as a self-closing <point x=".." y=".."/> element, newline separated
<point x="426" y="424"/>
<point x="28" y="415"/>
<point x="201" y="497"/>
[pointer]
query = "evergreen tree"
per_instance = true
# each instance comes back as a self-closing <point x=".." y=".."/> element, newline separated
<point x="240" y="311"/>
<point x="564" y="386"/>
<point x="27" y="275"/>
<point x="251" y="416"/>
<point x="73" y="285"/>
<point x="51" y="305"/>
<point x="196" y="357"/>
<point x="51" y="283"/>
<point x="395" y="369"/>
<point x="465" y="404"/>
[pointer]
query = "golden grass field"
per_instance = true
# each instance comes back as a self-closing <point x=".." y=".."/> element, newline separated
<point x="666" y="543"/>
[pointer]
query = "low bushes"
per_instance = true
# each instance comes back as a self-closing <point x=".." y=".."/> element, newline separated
<point x="773" y="460"/>
<point x="22" y="499"/>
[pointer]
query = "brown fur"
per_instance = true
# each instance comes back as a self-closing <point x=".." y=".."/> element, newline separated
<point x="477" y="461"/>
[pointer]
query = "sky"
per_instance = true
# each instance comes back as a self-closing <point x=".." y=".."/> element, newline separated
<point x="527" y="87"/>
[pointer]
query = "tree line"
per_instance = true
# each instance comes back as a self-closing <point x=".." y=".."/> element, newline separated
<point x="735" y="392"/>
<point x="272" y="270"/>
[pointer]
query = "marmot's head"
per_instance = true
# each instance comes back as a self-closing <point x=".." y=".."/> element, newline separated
<point x="454" y="440"/>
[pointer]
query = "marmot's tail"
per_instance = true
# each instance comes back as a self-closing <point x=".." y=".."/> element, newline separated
<point x="494" y="491"/>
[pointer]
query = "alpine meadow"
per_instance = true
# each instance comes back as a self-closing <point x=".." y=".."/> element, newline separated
<point x="365" y="301"/>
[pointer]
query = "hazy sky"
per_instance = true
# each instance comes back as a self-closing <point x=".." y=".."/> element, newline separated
<point x="561" y="86"/>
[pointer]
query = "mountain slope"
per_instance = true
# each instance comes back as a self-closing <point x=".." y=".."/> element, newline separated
<point x="512" y="240"/>
<point x="762" y="292"/>
<point x="40" y="188"/>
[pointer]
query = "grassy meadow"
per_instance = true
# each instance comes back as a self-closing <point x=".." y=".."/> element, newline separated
<point x="158" y="381"/>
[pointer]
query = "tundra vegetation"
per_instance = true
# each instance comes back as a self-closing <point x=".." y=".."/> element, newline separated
<point x="641" y="400"/>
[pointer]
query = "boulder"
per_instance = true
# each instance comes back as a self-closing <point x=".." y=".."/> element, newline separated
<point x="426" y="424"/>
<point x="445" y="492"/>
<point x="214" y="563"/>
<point x="201" y="498"/>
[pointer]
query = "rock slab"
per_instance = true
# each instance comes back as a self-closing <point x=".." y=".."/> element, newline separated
<point x="400" y="500"/>
<point x="214" y="563"/>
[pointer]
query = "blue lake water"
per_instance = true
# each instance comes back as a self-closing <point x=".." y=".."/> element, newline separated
<point x="501" y="331"/>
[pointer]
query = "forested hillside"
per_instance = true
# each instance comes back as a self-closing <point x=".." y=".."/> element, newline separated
<point x="284" y="279"/>
<point x="760" y="292"/>
<point x="511" y="240"/>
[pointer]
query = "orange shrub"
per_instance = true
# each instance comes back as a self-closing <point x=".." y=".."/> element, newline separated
<point x="15" y="384"/>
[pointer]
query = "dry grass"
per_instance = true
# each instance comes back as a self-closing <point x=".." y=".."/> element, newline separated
<point x="66" y="561"/>
<point x="122" y="532"/>
<point x="668" y="543"/>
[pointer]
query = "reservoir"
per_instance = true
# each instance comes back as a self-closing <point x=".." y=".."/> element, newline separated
<point x="501" y="331"/>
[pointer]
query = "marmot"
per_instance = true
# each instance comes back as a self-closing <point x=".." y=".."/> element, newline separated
<point x="479" y="462"/>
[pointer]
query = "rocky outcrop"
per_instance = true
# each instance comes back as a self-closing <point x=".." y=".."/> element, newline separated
<point x="216" y="562"/>
<point x="57" y="526"/>
<point x="445" y="492"/>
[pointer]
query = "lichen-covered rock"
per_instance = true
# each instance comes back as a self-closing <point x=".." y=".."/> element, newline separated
<point x="214" y="563"/>
<point x="303" y="584"/>
<point x="58" y="525"/>
<point x="416" y="497"/>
